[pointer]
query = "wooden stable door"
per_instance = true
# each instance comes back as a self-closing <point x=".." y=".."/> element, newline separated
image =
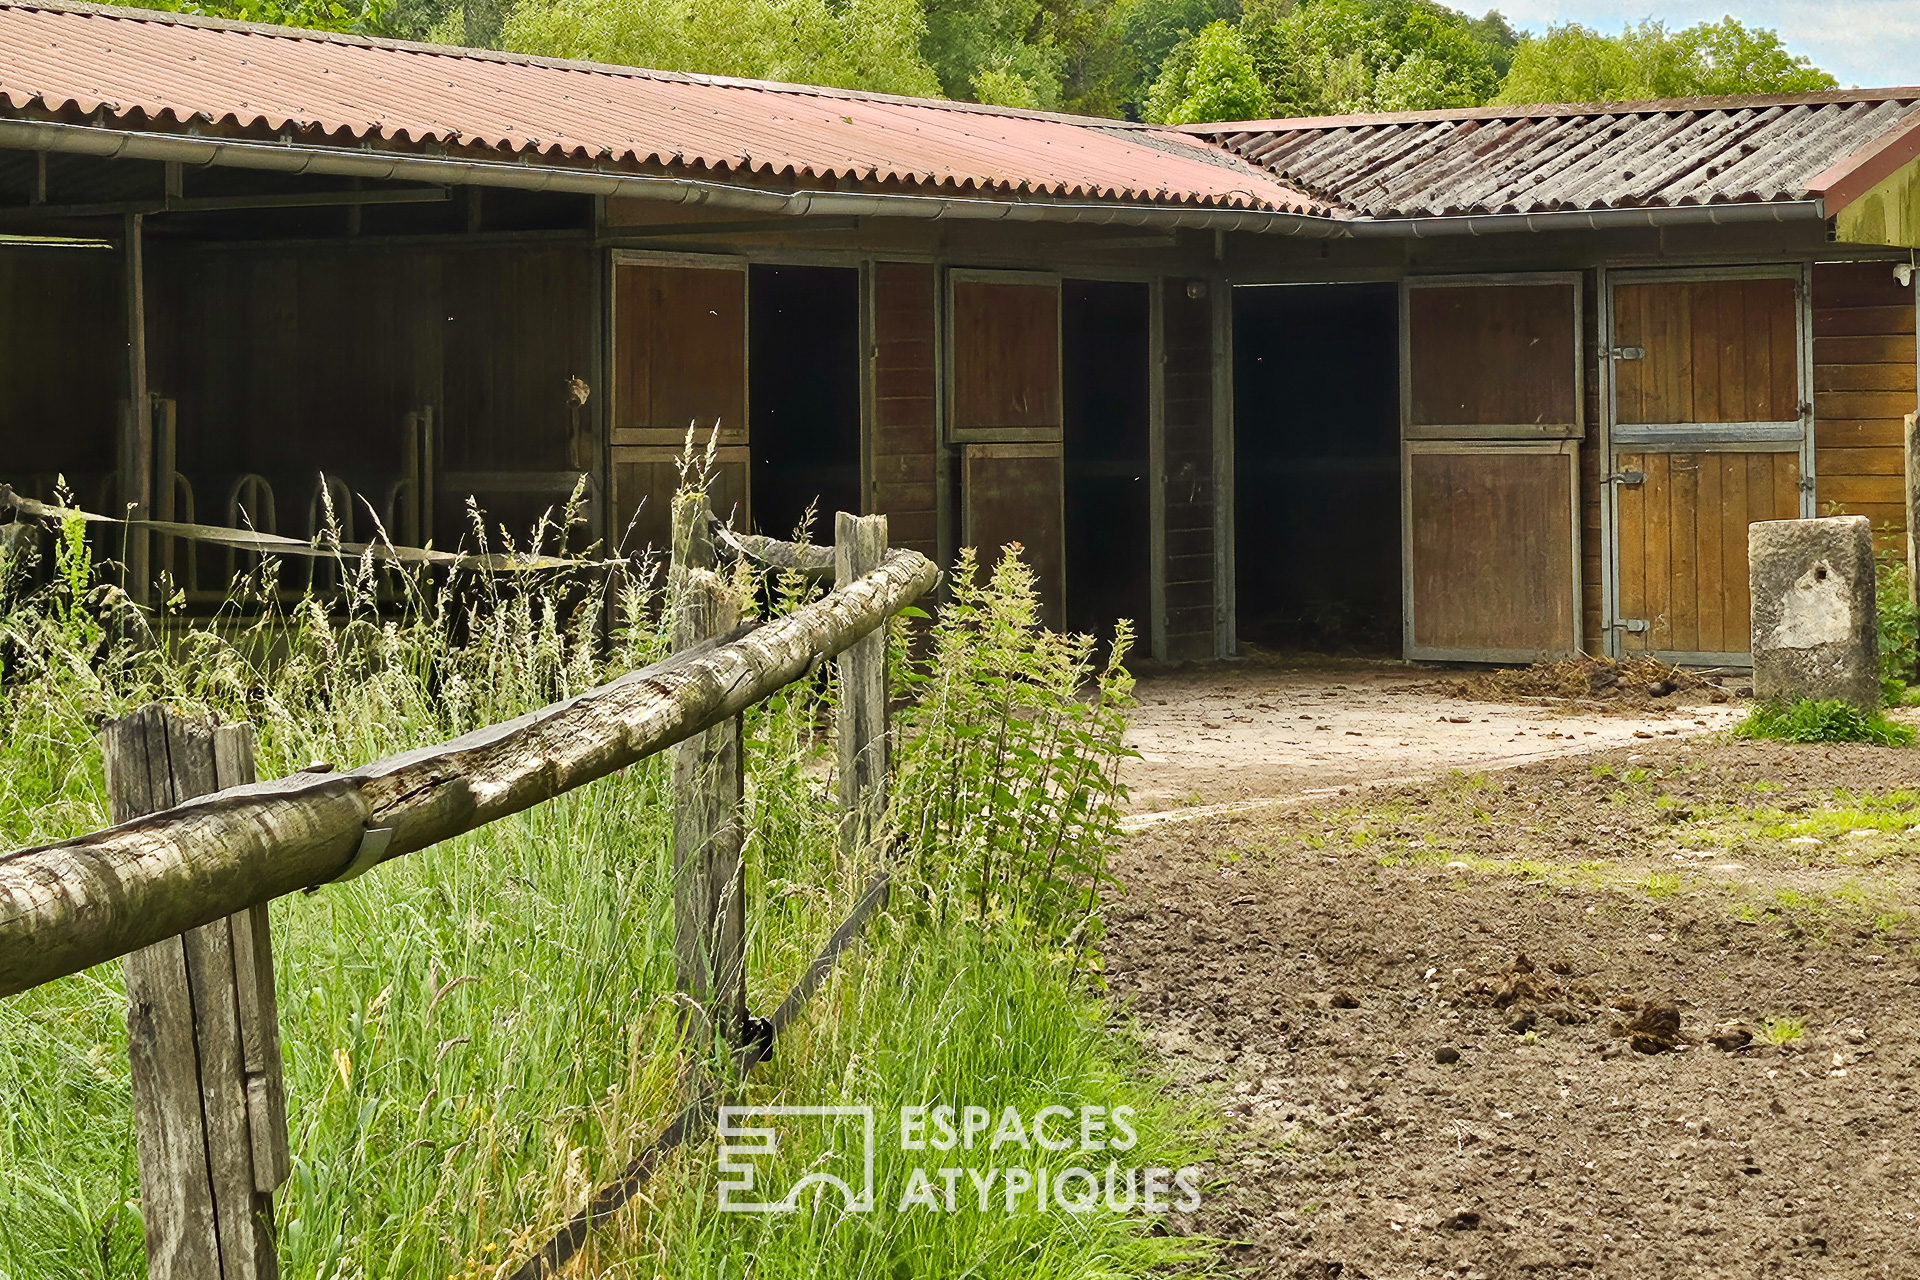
<point x="680" y="362"/>
<point x="1709" y="432"/>
<point x="1491" y="417"/>
<point x="1005" y="413"/>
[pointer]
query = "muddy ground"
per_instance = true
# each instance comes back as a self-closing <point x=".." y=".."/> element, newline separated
<point x="1348" y="982"/>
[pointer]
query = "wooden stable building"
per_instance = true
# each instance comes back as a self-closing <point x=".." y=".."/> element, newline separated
<point x="1479" y="385"/>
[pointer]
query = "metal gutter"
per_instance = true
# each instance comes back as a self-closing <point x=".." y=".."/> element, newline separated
<point x="1479" y="224"/>
<point x="37" y="135"/>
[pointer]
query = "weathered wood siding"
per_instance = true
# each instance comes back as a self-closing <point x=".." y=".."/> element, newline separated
<point x="1592" y="467"/>
<point x="1006" y="355"/>
<point x="904" y="439"/>
<point x="1863" y="386"/>
<point x="287" y="363"/>
<point x="62" y="364"/>
<point x="1187" y="336"/>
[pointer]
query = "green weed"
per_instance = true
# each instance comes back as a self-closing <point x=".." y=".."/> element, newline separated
<point x="1661" y="884"/>
<point x="1830" y="720"/>
<point x="1783" y="1031"/>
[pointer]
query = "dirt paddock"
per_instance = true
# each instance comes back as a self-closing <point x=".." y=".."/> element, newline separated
<point x="1644" y="1011"/>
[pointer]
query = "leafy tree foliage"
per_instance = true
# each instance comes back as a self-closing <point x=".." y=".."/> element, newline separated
<point x="1052" y="54"/>
<point x="1332" y="57"/>
<point x="1573" y="63"/>
<point x="869" y="44"/>
<point x="1209" y="77"/>
<point x="360" y="17"/>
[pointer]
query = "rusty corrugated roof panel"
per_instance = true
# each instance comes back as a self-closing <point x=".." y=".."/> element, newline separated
<point x="1541" y="159"/>
<point x="145" y="69"/>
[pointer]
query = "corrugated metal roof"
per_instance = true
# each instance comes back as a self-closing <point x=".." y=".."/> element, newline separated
<point x="1585" y="156"/>
<point x="145" y="69"/>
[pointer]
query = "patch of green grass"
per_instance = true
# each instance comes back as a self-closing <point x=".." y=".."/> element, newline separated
<point x="1661" y="884"/>
<point x="1783" y="1031"/>
<point x="1601" y="770"/>
<point x="1887" y="921"/>
<point x="479" y="1033"/>
<point x="1764" y="787"/>
<point x="1829" y="720"/>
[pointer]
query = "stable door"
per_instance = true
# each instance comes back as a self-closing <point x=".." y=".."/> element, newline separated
<point x="680" y="374"/>
<point x="1710" y="430"/>
<point x="1491" y="417"/>
<point x="1005" y="413"/>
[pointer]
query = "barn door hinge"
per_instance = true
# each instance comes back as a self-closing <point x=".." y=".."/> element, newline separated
<point x="1625" y="477"/>
<point x="1635" y="625"/>
<point x="1629" y="353"/>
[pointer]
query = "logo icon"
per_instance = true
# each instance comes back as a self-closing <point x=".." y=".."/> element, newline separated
<point x="845" y="1162"/>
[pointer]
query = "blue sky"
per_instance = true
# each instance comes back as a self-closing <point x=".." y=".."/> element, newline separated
<point x="1861" y="42"/>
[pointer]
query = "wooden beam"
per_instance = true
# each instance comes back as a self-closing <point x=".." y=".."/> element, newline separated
<point x="709" y="908"/>
<point x="860" y="714"/>
<point x="202" y="1034"/>
<point x="222" y="204"/>
<point x="136" y="456"/>
<point x="640" y="236"/>
<point x="68" y="906"/>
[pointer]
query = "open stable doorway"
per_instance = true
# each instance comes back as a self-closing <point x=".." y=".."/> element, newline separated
<point x="1105" y="347"/>
<point x="803" y="395"/>
<point x="1316" y="467"/>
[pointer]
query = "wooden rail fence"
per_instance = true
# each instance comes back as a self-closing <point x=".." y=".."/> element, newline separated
<point x="179" y="886"/>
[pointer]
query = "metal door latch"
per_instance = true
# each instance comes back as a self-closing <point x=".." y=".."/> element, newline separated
<point x="1807" y="484"/>
<point x="1632" y="624"/>
<point x="1625" y="477"/>
<point x="1629" y="353"/>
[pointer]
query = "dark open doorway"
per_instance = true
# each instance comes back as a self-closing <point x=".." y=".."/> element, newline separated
<point x="1105" y="354"/>
<point x="803" y="395"/>
<point x="1317" y="466"/>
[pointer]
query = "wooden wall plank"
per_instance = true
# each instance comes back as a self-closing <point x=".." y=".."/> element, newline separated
<point x="905" y="403"/>
<point x="1716" y="351"/>
<point x="1864" y="378"/>
<point x="1012" y="493"/>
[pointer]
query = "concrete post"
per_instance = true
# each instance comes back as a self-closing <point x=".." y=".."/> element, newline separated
<point x="1815" y="621"/>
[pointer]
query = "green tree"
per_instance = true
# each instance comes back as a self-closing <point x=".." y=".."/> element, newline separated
<point x="1152" y="29"/>
<point x="1332" y="57"/>
<point x="1572" y="63"/>
<point x="360" y="17"/>
<point x="1209" y="77"/>
<point x="851" y="44"/>
<point x="1053" y="54"/>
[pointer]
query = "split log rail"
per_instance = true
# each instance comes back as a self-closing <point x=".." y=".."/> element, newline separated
<point x="179" y="886"/>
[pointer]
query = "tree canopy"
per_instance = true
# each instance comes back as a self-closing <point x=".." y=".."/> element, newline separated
<point x="1173" y="61"/>
<point x="1573" y="63"/>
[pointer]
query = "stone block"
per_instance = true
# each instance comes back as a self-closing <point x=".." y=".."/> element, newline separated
<point x="1815" y="622"/>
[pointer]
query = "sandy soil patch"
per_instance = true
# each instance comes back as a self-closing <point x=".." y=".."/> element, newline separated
<point x="1233" y="732"/>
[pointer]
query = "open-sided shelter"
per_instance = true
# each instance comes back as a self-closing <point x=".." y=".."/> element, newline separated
<point x="1477" y="384"/>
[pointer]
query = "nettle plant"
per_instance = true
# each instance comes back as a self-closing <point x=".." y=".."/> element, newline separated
<point x="1011" y="748"/>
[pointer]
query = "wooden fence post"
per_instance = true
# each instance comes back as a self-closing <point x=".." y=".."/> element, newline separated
<point x="860" y="725"/>
<point x="709" y="910"/>
<point x="202" y="1031"/>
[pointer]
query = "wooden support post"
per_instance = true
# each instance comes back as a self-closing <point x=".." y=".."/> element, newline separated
<point x="709" y="910"/>
<point x="1912" y="438"/>
<point x="202" y="1033"/>
<point x="860" y="722"/>
<point x="136" y="454"/>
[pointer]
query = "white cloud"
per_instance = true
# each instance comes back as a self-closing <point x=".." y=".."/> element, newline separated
<point x="1863" y="42"/>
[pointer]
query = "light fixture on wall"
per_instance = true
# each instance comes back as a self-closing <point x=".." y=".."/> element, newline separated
<point x="1903" y="273"/>
<point x="1196" y="289"/>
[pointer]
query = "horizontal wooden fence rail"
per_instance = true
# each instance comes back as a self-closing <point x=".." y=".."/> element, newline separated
<point x="68" y="906"/>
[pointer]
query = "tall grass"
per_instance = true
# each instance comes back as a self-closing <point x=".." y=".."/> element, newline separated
<point x="479" y="1033"/>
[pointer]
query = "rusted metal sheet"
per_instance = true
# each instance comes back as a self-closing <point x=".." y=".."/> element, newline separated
<point x="1582" y="157"/>
<point x="165" y="71"/>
